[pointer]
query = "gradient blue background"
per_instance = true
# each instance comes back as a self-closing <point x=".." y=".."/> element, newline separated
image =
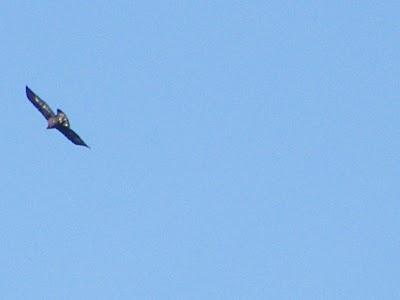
<point x="240" y="150"/>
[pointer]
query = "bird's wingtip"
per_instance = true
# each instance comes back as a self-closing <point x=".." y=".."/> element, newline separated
<point x="28" y="91"/>
<point x="84" y="145"/>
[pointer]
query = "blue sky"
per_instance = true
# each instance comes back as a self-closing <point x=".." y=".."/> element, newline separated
<point x="239" y="150"/>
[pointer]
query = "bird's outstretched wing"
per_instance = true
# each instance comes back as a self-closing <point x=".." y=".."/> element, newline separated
<point x="42" y="106"/>
<point x="72" y="135"/>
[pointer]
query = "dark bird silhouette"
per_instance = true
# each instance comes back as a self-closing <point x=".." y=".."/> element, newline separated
<point x="58" y="121"/>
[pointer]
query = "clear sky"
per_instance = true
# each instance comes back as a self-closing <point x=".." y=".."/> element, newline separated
<point x="239" y="150"/>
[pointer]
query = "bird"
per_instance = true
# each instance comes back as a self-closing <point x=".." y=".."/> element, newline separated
<point x="58" y="121"/>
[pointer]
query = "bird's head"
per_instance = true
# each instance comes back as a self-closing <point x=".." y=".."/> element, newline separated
<point x="51" y="123"/>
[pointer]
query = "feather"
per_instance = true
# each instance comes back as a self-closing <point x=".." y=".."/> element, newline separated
<point x="41" y="105"/>
<point x="71" y="135"/>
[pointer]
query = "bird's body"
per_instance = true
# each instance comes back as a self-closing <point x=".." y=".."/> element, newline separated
<point x="58" y="121"/>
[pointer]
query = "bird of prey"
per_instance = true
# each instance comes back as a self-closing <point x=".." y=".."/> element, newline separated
<point x="58" y="121"/>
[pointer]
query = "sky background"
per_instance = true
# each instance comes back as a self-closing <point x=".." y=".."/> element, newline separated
<point x="239" y="150"/>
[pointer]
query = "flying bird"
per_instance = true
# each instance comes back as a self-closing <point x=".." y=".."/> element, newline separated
<point x="58" y="121"/>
